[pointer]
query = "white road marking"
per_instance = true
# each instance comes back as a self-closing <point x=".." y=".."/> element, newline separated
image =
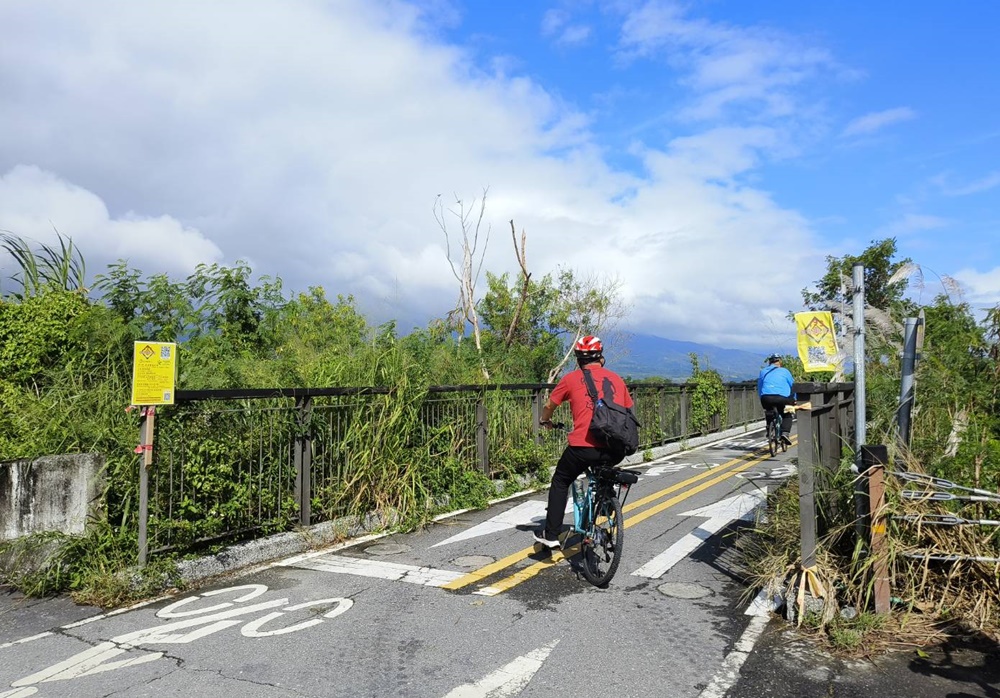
<point x="720" y="514"/>
<point x="172" y="612"/>
<point x="252" y="629"/>
<point x="530" y="512"/>
<point x="508" y="680"/>
<point x="487" y="591"/>
<point x="23" y="640"/>
<point x="426" y="576"/>
<point x="97" y="659"/>
<point x="85" y="621"/>
<point x="663" y="469"/>
<point x="730" y="670"/>
<point x="247" y="571"/>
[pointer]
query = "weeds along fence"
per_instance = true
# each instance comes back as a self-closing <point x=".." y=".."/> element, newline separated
<point x="233" y="464"/>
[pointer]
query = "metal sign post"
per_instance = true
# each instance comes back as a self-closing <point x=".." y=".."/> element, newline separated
<point x="154" y="373"/>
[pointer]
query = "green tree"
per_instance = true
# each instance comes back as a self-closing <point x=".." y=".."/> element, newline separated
<point x="544" y="326"/>
<point x="884" y="286"/>
<point x="324" y="340"/>
<point x="227" y="305"/>
<point x="154" y="308"/>
<point x="520" y="337"/>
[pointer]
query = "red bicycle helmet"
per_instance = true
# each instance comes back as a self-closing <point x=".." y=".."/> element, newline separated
<point x="588" y="347"/>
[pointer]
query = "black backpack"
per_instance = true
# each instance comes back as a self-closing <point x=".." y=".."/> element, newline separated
<point x="613" y="425"/>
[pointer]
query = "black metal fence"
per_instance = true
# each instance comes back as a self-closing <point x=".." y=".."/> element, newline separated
<point x="235" y="463"/>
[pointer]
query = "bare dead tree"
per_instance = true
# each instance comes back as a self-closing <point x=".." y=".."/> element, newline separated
<point x="554" y="373"/>
<point x="522" y="261"/>
<point x="466" y="271"/>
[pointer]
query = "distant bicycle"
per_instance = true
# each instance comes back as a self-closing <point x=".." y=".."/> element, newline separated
<point x="774" y="440"/>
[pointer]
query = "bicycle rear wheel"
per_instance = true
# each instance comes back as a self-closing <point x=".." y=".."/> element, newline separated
<point x="772" y="437"/>
<point x="602" y="545"/>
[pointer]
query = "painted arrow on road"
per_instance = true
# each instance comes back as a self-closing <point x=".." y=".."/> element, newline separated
<point x="719" y="515"/>
<point x="530" y="512"/>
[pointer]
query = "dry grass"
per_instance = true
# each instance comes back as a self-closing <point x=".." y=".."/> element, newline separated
<point x="932" y="599"/>
<point x="949" y="572"/>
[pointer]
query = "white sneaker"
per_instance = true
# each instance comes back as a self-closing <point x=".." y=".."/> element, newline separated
<point x="543" y="538"/>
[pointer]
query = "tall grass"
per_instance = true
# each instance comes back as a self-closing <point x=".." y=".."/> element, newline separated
<point x="942" y="578"/>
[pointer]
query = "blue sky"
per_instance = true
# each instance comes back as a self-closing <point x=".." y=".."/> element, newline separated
<point x="704" y="157"/>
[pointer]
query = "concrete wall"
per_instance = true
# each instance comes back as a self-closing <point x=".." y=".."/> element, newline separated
<point x="52" y="493"/>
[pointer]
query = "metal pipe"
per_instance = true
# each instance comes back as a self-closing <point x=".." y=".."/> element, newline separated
<point x="860" y="435"/>
<point x="906" y="384"/>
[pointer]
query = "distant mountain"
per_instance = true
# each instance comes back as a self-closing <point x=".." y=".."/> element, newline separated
<point x="646" y="356"/>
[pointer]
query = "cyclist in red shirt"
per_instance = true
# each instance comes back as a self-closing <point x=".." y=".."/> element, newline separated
<point x="583" y="449"/>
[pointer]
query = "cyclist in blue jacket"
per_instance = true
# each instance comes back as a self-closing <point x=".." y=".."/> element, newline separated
<point x="774" y="388"/>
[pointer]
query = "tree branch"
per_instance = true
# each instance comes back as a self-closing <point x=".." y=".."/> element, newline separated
<point x="522" y="260"/>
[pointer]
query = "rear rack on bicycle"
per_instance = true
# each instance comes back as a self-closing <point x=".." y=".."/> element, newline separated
<point x="617" y="477"/>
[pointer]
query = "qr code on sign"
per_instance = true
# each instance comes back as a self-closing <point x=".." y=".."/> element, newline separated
<point x="164" y="352"/>
<point x="817" y="355"/>
<point x="166" y="396"/>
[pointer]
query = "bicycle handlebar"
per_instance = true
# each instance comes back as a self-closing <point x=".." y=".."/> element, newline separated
<point x="555" y="425"/>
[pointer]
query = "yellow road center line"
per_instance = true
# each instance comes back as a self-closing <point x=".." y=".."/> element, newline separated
<point x="494" y="567"/>
<point x="642" y="516"/>
<point x="529" y="572"/>
<point x="503" y="563"/>
<point x="709" y="471"/>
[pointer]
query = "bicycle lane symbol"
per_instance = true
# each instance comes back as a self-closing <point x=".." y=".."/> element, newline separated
<point x="779" y="473"/>
<point x="194" y="625"/>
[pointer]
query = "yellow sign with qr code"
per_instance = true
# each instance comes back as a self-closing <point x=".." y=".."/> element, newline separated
<point x="154" y="372"/>
<point x="817" y="341"/>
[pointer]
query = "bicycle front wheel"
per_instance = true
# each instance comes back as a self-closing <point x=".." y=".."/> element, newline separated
<point x="602" y="544"/>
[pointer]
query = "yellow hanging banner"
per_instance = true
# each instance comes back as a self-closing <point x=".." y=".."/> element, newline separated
<point x="154" y="369"/>
<point x="817" y="341"/>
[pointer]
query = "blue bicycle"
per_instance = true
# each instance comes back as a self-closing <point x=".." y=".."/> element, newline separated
<point x="597" y="517"/>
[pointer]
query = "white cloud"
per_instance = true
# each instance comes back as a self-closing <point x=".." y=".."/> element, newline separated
<point x="37" y="206"/>
<point x="553" y="21"/>
<point x="990" y="181"/>
<point x="912" y="223"/>
<point x="726" y="66"/>
<point x="876" y="121"/>
<point x="575" y="34"/>
<point x="980" y="289"/>
<point x="312" y="142"/>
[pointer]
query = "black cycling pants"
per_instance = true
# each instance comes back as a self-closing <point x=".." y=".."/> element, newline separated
<point x="778" y="402"/>
<point x="572" y="463"/>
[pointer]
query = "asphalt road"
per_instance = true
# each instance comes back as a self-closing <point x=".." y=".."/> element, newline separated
<point x="466" y="607"/>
